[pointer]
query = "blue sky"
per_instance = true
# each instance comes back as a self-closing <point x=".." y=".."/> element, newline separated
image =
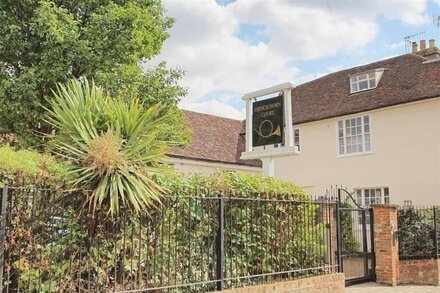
<point x="230" y="47"/>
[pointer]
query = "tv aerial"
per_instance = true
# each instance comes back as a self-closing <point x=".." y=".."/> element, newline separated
<point x="408" y="40"/>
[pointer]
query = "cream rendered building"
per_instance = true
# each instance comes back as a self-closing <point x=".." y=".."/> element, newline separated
<point x="374" y="129"/>
<point x="402" y="167"/>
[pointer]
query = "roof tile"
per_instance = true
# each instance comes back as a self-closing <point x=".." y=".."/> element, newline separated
<point x="215" y="139"/>
<point x="406" y="79"/>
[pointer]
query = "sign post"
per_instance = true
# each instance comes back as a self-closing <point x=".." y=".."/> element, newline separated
<point x="269" y="129"/>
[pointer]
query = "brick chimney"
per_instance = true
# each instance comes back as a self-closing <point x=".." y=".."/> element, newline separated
<point x="422" y="45"/>
<point x="430" y="53"/>
<point x="414" y="47"/>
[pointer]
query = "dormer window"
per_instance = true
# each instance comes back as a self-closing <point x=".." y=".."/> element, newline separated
<point x="365" y="81"/>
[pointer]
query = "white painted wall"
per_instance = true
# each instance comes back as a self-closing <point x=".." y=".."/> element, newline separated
<point x="204" y="167"/>
<point x="405" y="155"/>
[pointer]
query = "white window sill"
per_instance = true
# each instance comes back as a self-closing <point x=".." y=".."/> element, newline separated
<point x="361" y="91"/>
<point x="354" y="154"/>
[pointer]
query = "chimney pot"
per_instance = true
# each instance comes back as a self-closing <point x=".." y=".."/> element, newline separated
<point x="422" y="45"/>
<point x="431" y="43"/>
<point x="414" y="47"/>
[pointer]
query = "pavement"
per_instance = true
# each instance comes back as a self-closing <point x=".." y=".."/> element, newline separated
<point x="377" y="288"/>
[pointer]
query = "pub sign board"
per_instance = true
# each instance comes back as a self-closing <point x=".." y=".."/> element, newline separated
<point x="267" y="122"/>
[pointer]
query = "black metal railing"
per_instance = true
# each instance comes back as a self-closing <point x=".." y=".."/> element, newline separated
<point x="419" y="232"/>
<point x="187" y="244"/>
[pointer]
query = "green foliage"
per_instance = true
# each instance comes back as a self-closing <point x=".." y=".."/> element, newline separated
<point x="50" y="41"/>
<point x="176" y="241"/>
<point x="29" y="165"/>
<point x="231" y="184"/>
<point x="416" y="232"/>
<point x="349" y="241"/>
<point x="114" y="147"/>
<point x="261" y="237"/>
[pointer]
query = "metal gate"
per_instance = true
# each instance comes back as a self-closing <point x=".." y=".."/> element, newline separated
<point x="355" y="239"/>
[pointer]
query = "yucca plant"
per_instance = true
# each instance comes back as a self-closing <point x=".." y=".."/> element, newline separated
<point x="114" y="147"/>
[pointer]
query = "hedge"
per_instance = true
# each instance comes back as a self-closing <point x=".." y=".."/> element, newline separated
<point x="17" y="166"/>
<point x="56" y="248"/>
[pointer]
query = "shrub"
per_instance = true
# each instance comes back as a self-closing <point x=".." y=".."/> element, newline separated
<point x="230" y="184"/>
<point x="30" y="166"/>
<point x="416" y="233"/>
<point x="66" y="251"/>
<point x="114" y="147"/>
<point x="349" y="242"/>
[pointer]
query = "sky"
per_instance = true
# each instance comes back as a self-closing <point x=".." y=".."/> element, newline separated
<point x="228" y="48"/>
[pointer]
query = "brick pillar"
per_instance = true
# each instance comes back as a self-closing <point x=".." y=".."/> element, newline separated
<point x="385" y="242"/>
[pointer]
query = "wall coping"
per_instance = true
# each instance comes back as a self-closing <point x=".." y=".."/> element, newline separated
<point x="433" y="259"/>
<point x="388" y="206"/>
<point x="334" y="282"/>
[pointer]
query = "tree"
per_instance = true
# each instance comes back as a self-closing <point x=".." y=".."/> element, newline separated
<point x="113" y="146"/>
<point x="43" y="42"/>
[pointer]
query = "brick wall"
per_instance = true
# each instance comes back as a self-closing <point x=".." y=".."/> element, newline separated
<point x="420" y="271"/>
<point x="332" y="283"/>
<point x="386" y="246"/>
<point x="389" y="269"/>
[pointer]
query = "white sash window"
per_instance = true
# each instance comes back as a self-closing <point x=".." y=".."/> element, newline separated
<point x="354" y="135"/>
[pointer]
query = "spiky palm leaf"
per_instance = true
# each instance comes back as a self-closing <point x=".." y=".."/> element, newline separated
<point x="114" y="147"/>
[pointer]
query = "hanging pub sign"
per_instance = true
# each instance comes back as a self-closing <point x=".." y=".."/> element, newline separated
<point x="267" y="121"/>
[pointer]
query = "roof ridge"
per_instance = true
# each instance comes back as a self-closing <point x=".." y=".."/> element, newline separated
<point x="407" y="79"/>
<point x="363" y="65"/>
<point x="207" y="114"/>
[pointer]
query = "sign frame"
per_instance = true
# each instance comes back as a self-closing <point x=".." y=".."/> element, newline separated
<point x="268" y="152"/>
<point x="268" y="121"/>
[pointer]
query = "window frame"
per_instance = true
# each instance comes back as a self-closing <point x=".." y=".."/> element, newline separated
<point x="407" y="203"/>
<point x="363" y="134"/>
<point x="297" y="129"/>
<point x="384" y="196"/>
<point x="357" y="80"/>
<point x="363" y="203"/>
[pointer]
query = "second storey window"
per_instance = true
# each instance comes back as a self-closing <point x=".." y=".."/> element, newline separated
<point x="362" y="82"/>
<point x="354" y="135"/>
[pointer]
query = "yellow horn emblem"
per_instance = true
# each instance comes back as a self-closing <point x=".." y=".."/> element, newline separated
<point x="271" y="132"/>
<point x="277" y="131"/>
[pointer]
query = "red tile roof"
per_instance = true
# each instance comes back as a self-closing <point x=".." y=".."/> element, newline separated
<point x="214" y="139"/>
<point x="405" y="79"/>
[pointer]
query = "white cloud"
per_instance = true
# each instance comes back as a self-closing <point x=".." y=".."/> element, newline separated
<point x="214" y="107"/>
<point x="204" y="43"/>
<point x="408" y="11"/>
<point x="397" y="45"/>
<point x="301" y="32"/>
<point x="334" y="68"/>
<point x="214" y="58"/>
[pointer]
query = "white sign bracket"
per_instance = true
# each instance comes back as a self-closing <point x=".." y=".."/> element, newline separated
<point x="267" y="153"/>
